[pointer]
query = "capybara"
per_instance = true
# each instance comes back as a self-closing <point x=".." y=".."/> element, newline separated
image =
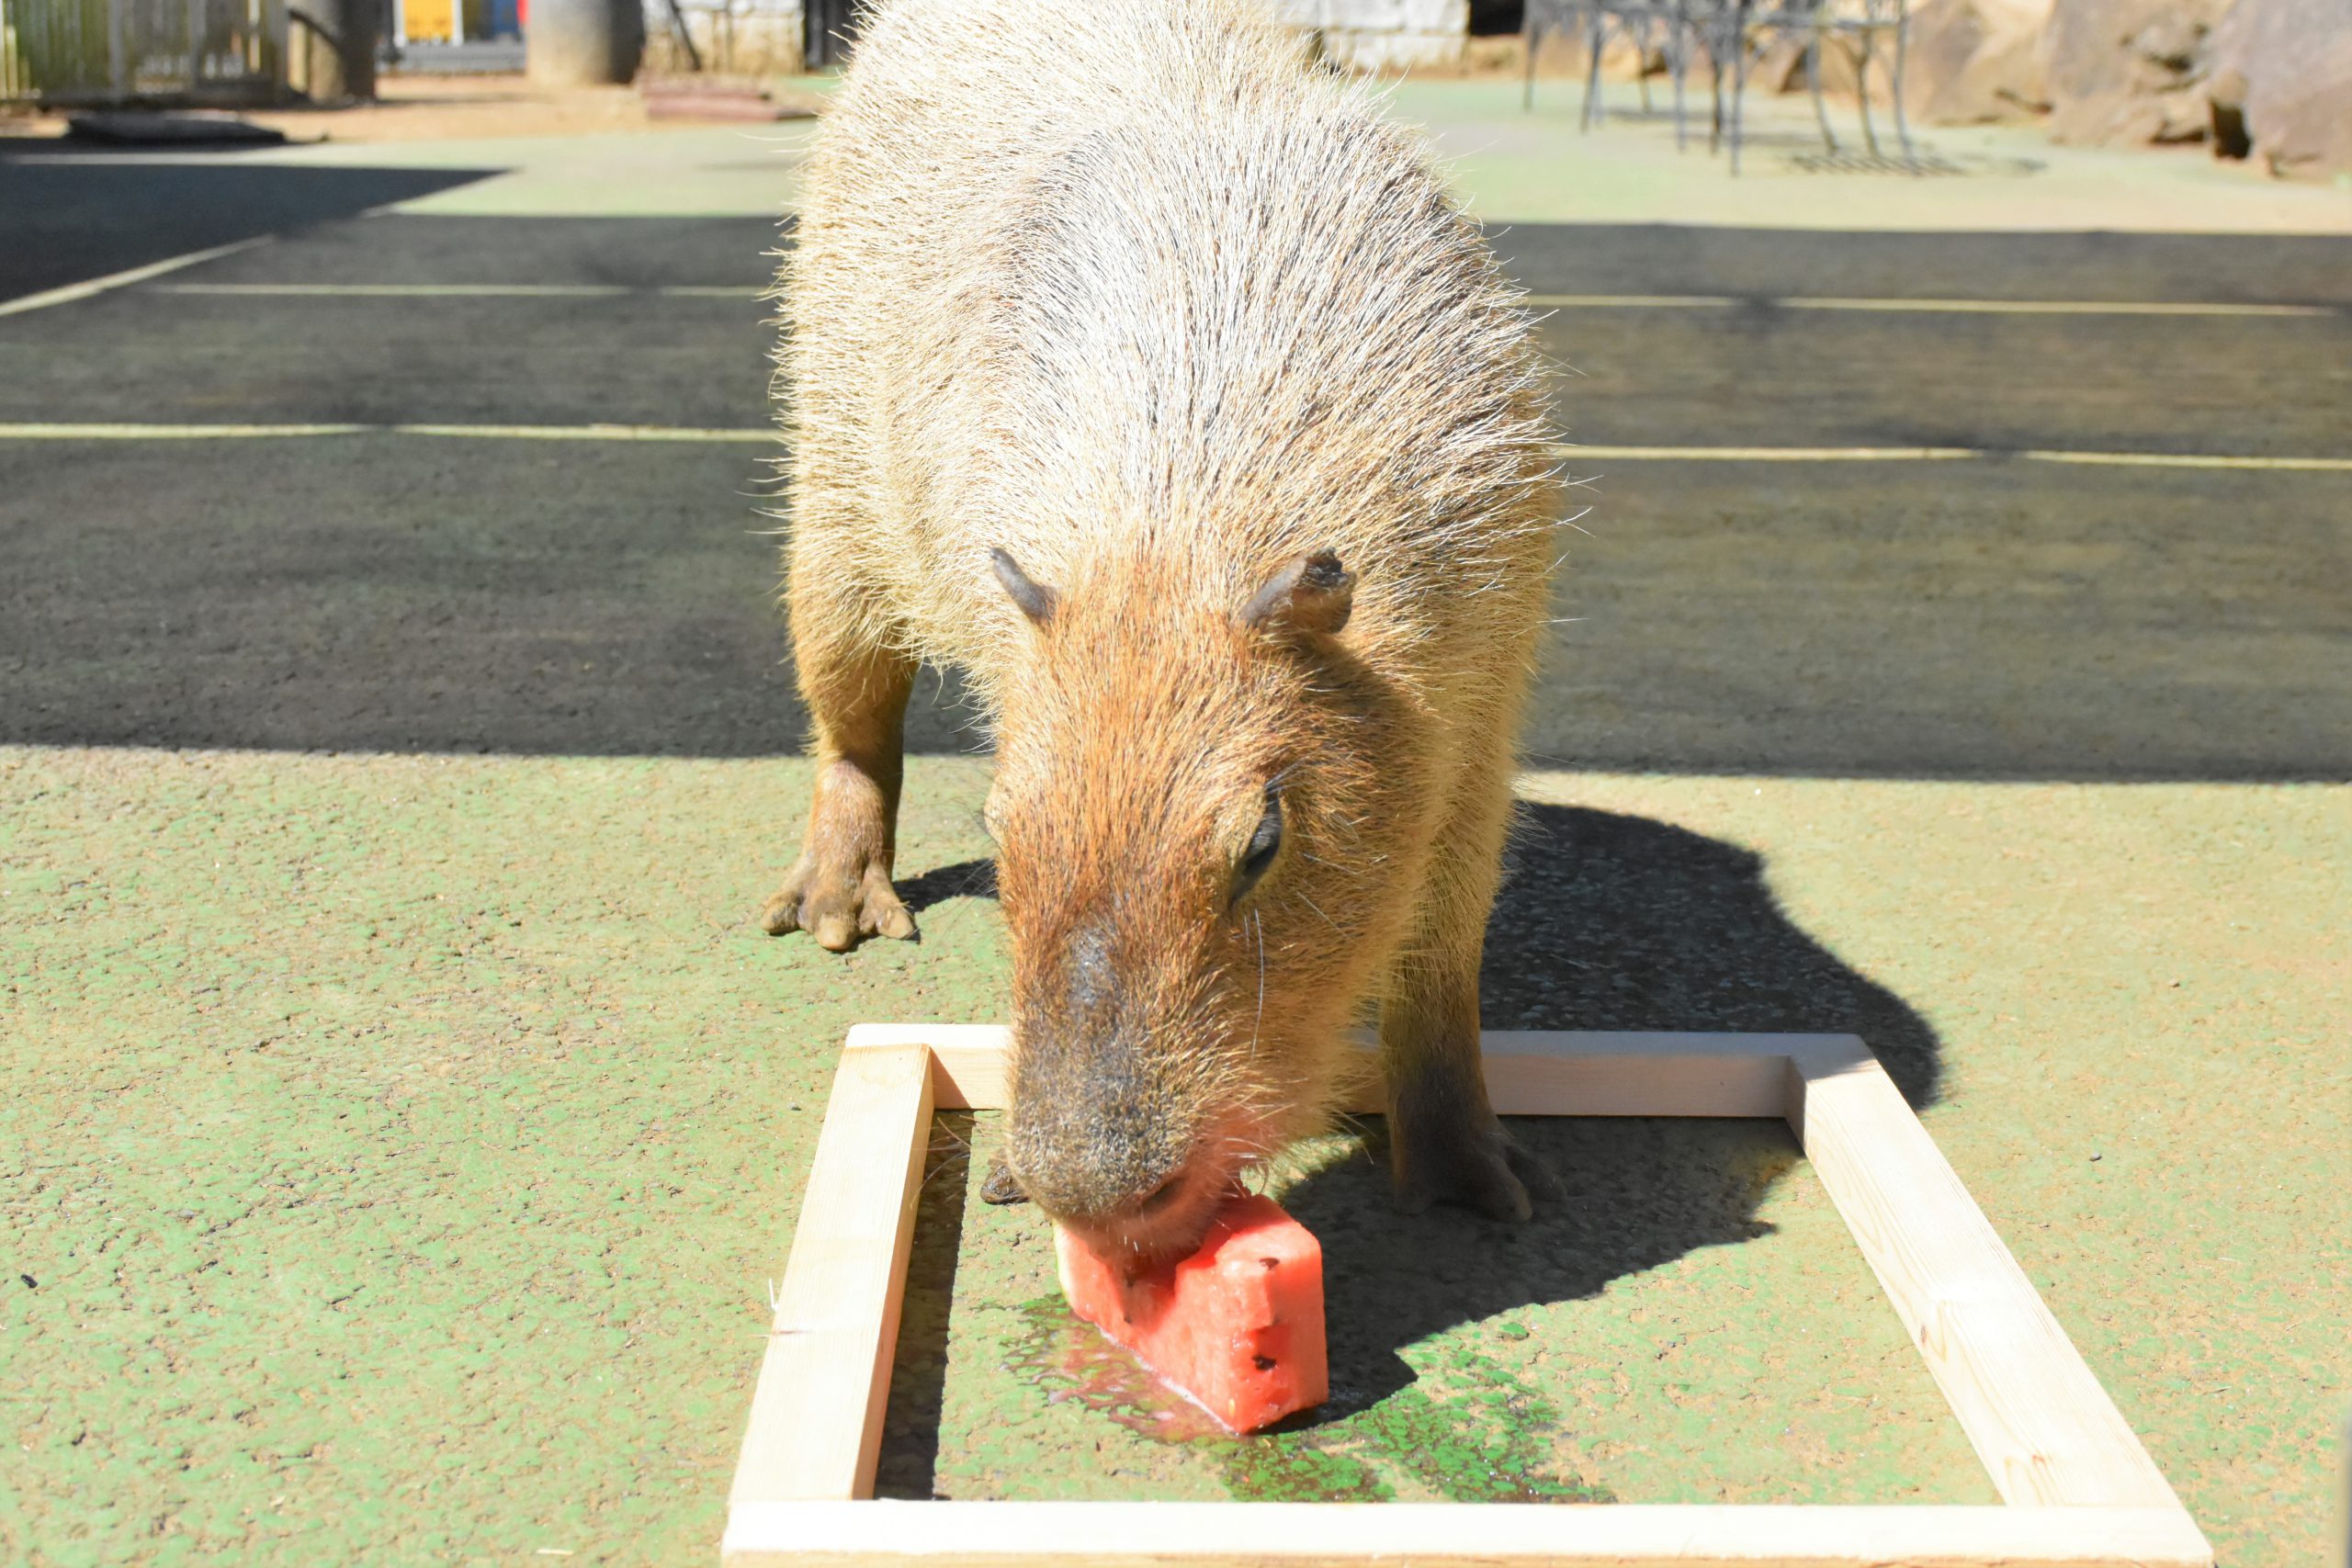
<point x="1141" y="369"/>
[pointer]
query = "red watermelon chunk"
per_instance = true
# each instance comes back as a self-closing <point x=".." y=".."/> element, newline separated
<point x="1237" y="1327"/>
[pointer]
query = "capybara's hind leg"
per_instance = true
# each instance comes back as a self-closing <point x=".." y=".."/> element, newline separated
<point x="1445" y="1143"/>
<point x="856" y="689"/>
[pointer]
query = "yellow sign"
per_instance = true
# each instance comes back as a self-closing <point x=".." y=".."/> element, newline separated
<point x="428" y="22"/>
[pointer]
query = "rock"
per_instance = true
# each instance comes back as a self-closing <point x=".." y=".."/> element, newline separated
<point x="2226" y="93"/>
<point x="2181" y="115"/>
<point x="2168" y="43"/>
<point x="2282" y="81"/>
<point x="2096" y="49"/>
<point x="1976" y="59"/>
<point x="2114" y="69"/>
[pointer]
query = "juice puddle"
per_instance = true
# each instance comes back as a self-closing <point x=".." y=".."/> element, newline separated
<point x="1483" y="1438"/>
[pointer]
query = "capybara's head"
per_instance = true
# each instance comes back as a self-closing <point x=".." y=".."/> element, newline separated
<point x="1192" y="831"/>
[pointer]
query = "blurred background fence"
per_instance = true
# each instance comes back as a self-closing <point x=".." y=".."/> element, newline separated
<point x="104" y="52"/>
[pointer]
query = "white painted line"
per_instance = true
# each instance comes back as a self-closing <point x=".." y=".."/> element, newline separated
<point x="1552" y="301"/>
<point x="452" y="290"/>
<point x="123" y="279"/>
<point x="1956" y="307"/>
<point x="1944" y="454"/>
<point x="107" y="431"/>
<point x="398" y="290"/>
<point x="2063" y="307"/>
<point x="2168" y="460"/>
<point x="1633" y="301"/>
<point x="754" y="436"/>
<point x="174" y="431"/>
<point x="582" y="432"/>
<point x="1770" y="454"/>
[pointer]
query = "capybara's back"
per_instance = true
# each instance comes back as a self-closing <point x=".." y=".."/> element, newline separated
<point x="1148" y="376"/>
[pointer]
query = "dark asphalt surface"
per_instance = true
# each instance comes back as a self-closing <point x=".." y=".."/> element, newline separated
<point x="1671" y="377"/>
<point x="1993" y="619"/>
<point x="63" y="219"/>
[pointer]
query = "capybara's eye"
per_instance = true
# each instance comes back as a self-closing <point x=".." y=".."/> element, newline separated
<point x="1263" y="843"/>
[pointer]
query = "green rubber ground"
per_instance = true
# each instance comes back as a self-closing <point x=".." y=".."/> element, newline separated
<point x="397" y="1148"/>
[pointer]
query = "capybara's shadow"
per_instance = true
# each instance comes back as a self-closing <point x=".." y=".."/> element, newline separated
<point x="1606" y="921"/>
<point x="965" y="879"/>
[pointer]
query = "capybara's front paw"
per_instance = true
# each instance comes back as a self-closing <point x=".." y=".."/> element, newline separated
<point x="837" y="904"/>
<point x="1000" y="1186"/>
<point x="1478" y="1168"/>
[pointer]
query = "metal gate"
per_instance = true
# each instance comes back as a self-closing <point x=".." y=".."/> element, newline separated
<point x="831" y="27"/>
<point x="80" y="52"/>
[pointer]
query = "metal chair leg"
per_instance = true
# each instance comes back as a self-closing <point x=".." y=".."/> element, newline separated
<point x="1593" y="39"/>
<point x="1530" y="35"/>
<point x="1715" y="126"/>
<point x="1902" y="46"/>
<point x="1642" y="66"/>
<point x="1863" y="91"/>
<point x="1739" y="79"/>
<point x="1813" y="81"/>
<point x="1678" y="61"/>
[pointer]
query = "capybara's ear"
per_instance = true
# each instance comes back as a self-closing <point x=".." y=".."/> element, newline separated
<point x="1036" y="600"/>
<point x="1311" y="594"/>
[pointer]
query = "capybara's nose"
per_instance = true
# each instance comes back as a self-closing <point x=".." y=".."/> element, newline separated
<point x="1162" y="1196"/>
<point x="1097" y="1197"/>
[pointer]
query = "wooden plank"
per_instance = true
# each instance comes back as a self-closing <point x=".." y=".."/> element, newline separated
<point x="1452" y="1535"/>
<point x="2044" y="1427"/>
<point x="967" y="1060"/>
<point x="816" y="1425"/>
<point x="1637" y="1073"/>
<point x="2084" y="1491"/>
<point x="1528" y="1072"/>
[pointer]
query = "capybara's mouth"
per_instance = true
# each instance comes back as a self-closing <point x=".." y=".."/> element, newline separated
<point x="1166" y="1225"/>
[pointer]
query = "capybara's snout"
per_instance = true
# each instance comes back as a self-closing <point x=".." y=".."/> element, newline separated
<point x="1106" y="1142"/>
<point x="1093" y="1144"/>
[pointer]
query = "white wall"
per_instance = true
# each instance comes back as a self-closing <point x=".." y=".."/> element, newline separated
<point x="1378" y="35"/>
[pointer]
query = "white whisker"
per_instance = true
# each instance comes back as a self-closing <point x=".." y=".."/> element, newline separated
<point x="1258" y="919"/>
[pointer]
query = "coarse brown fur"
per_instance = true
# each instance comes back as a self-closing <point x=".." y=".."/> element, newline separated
<point x="1130" y="294"/>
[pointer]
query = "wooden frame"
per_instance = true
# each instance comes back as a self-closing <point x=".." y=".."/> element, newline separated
<point x="2076" y="1487"/>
